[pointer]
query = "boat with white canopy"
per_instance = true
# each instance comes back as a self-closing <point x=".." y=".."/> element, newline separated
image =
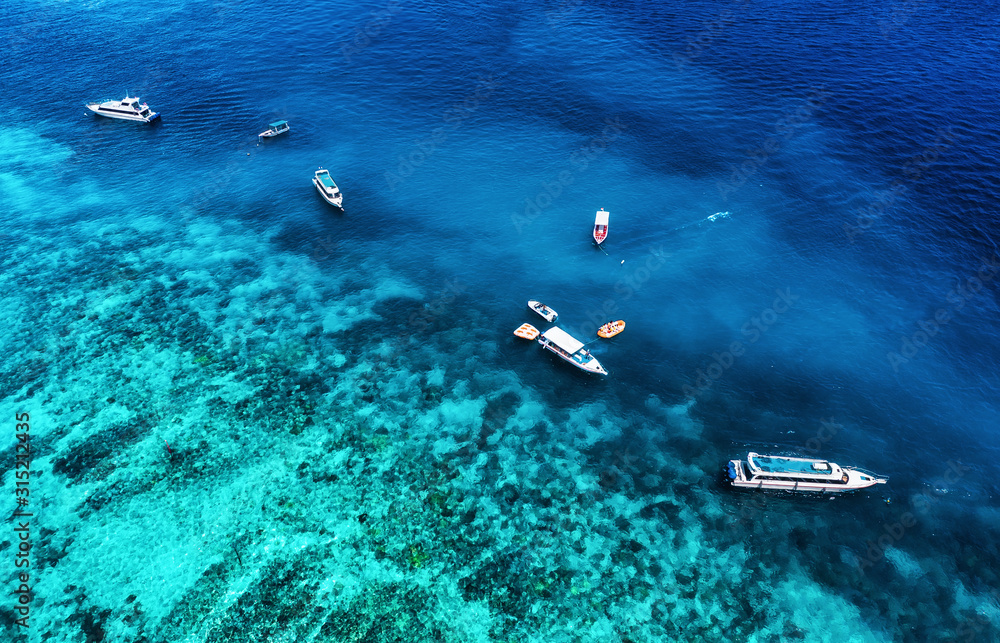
<point x="571" y="350"/>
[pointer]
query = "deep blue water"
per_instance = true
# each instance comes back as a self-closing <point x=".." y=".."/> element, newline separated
<point x="255" y="418"/>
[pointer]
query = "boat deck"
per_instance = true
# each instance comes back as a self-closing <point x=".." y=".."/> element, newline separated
<point x="777" y="464"/>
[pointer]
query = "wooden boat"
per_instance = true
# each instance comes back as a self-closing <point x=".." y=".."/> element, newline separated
<point x="526" y="331"/>
<point x="280" y="127"/>
<point x="543" y="310"/>
<point x="571" y="350"/>
<point x="611" y="329"/>
<point x="328" y="188"/>
<point x="601" y="226"/>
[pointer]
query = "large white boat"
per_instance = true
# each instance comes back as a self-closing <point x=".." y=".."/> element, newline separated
<point x="570" y="349"/>
<point x="127" y="109"/>
<point x="798" y="474"/>
<point x="328" y="188"/>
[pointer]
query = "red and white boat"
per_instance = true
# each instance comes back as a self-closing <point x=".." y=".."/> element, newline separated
<point x="601" y="226"/>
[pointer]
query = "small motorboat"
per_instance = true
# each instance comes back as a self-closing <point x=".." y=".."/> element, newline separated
<point x="571" y="350"/>
<point x="543" y="310"/>
<point x="328" y="188"/>
<point x="279" y="127"/>
<point x="126" y="109"/>
<point x="601" y="226"/>
<point x="526" y="331"/>
<point x="611" y="329"/>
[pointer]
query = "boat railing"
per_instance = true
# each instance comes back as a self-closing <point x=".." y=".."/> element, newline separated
<point x="869" y="473"/>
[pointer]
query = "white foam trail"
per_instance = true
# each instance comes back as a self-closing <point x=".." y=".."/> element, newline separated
<point x="717" y="215"/>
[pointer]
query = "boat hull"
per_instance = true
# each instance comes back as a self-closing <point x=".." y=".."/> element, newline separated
<point x="799" y="487"/>
<point x="271" y="133"/>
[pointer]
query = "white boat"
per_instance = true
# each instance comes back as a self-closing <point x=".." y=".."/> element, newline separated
<point x="543" y="310"/>
<point x="798" y="474"/>
<point x="127" y="109"/>
<point x="570" y="349"/>
<point x="601" y="226"/>
<point x="279" y="127"/>
<point x="328" y="188"/>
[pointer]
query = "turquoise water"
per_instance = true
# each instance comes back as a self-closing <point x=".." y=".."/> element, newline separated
<point x="256" y="418"/>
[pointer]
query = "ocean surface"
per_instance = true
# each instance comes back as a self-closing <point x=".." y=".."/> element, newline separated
<point x="231" y="412"/>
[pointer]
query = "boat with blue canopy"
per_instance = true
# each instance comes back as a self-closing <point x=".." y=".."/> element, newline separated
<point x="273" y="129"/>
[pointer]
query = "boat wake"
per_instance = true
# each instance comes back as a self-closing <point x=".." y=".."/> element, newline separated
<point x="717" y="215"/>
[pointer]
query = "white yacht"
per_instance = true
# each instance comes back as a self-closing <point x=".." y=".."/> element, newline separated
<point x="798" y="474"/>
<point x="328" y="188"/>
<point x="570" y="349"/>
<point x="127" y="109"/>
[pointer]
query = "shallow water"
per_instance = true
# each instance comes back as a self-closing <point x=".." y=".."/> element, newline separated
<point x="253" y="417"/>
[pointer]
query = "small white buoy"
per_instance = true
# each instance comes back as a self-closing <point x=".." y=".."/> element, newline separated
<point x="623" y="261"/>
